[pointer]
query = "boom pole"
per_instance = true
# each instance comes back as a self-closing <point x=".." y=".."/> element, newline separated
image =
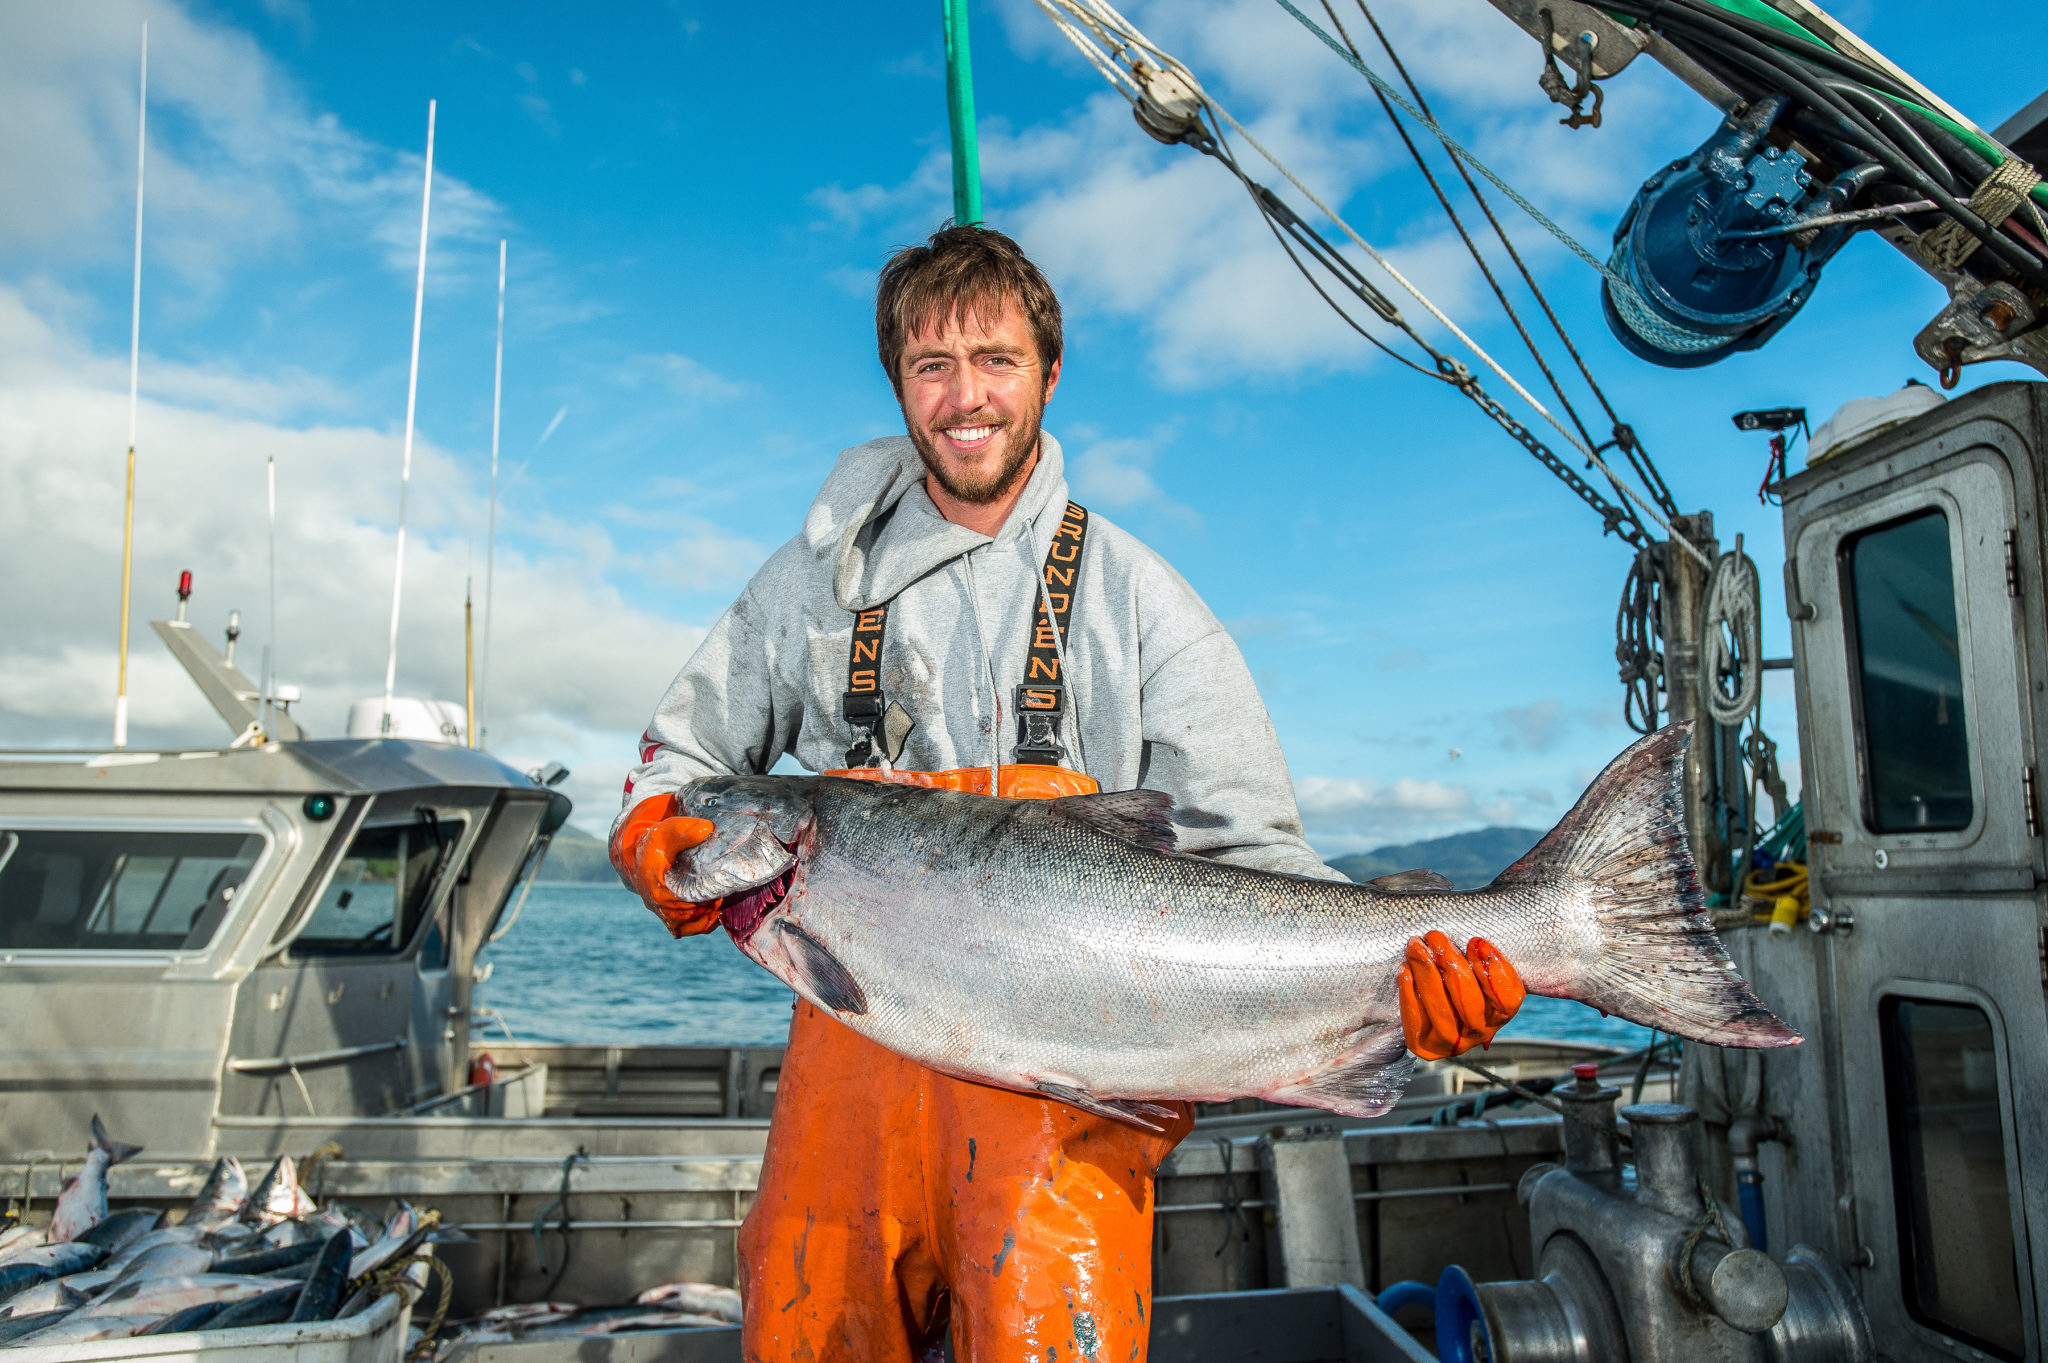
<point x="960" y="115"/>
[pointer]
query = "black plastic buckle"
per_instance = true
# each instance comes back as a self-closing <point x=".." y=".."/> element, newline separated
<point x="862" y="710"/>
<point x="1038" y="723"/>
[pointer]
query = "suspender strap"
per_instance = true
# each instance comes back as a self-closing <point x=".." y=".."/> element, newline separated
<point x="862" y="705"/>
<point x="1042" y="700"/>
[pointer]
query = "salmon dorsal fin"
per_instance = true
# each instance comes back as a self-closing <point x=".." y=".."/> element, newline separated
<point x="1410" y="882"/>
<point x="1133" y="816"/>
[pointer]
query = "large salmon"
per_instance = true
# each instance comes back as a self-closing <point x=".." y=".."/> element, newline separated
<point x="1063" y="946"/>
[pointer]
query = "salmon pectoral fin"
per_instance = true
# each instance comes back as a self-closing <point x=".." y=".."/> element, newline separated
<point x="823" y="978"/>
<point x="1144" y="1116"/>
<point x="1138" y="817"/>
<point x="1365" y="1082"/>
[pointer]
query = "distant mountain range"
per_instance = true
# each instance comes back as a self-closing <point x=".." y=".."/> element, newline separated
<point x="578" y="858"/>
<point x="1467" y="860"/>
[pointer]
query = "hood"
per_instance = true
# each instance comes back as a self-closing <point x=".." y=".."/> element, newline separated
<point x="875" y="523"/>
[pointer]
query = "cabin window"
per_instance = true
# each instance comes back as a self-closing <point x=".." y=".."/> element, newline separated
<point x="382" y="889"/>
<point x="72" y="890"/>
<point x="1959" y="1272"/>
<point x="1909" y="677"/>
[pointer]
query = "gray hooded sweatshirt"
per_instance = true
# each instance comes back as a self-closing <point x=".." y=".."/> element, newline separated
<point x="1158" y="695"/>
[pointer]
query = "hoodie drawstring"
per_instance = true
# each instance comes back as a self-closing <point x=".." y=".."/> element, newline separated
<point x="988" y="667"/>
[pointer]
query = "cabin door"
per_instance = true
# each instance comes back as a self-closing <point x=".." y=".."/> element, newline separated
<point x="1924" y="849"/>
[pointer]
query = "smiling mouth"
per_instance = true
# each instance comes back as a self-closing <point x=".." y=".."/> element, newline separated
<point x="970" y="437"/>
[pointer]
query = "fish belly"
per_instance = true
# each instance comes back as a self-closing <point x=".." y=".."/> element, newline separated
<point x="1164" y="978"/>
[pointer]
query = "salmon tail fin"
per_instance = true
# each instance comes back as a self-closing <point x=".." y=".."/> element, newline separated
<point x="116" y="1150"/>
<point x="1644" y="947"/>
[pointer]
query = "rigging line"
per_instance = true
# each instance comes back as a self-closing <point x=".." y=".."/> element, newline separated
<point x="1093" y="54"/>
<point x="1619" y="520"/>
<point x="1455" y="146"/>
<point x="1626" y="491"/>
<point x="1282" y="237"/>
<point x="1471" y="247"/>
<point x="1638" y="458"/>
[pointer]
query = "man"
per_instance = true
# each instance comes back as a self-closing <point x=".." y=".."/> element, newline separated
<point x="946" y="616"/>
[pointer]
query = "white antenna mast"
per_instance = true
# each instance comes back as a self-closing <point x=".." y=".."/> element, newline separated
<point x="483" y="697"/>
<point x="134" y="374"/>
<point x="270" y="648"/>
<point x="412" y="392"/>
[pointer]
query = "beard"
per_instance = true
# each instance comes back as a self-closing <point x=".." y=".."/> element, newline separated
<point x="981" y="486"/>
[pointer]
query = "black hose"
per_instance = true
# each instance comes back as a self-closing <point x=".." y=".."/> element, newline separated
<point x="1798" y="49"/>
<point x="1774" y="62"/>
<point x="1758" y="56"/>
<point x="1904" y="134"/>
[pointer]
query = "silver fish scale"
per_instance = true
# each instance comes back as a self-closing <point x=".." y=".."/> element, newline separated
<point x="1004" y="939"/>
<point x="1046" y="943"/>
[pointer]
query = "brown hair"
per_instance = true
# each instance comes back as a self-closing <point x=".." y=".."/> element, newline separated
<point x="963" y="271"/>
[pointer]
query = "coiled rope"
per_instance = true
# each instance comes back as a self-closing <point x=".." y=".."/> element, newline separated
<point x="1710" y="1217"/>
<point x="1731" y="640"/>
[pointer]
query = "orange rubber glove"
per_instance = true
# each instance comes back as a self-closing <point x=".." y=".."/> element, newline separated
<point x="1452" y="1001"/>
<point x="651" y="840"/>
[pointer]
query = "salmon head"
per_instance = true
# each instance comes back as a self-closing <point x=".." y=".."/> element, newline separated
<point x="751" y="858"/>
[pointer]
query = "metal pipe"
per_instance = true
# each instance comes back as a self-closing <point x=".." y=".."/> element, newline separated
<point x="1376" y="1195"/>
<point x="720" y="1224"/>
<point x="312" y="1060"/>
<point x="1744" y="1135"/>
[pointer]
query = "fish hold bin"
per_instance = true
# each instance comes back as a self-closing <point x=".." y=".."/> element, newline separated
<point x="377" y="1335"/>
<point x="1652" y="1272"/>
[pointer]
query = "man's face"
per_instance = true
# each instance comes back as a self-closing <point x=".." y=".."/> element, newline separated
<point x="973" y="392"/>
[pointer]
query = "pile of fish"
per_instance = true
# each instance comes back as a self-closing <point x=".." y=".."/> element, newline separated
<point x="672" y="1306"/>
<point x="238" y="1256"/>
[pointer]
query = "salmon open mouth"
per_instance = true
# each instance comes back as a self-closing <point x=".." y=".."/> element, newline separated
<point x="742" y="913"/>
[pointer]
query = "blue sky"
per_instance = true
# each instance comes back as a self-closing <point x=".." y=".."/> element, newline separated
<point x="695" y="201"/>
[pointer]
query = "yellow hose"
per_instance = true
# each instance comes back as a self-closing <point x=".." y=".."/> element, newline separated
<point x="1784" y="895"/>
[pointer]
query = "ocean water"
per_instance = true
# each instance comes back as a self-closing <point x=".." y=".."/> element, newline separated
<point x="587" y="963"/>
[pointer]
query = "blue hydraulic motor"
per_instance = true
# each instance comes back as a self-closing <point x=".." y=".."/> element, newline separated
<point x="1711" y="258"/>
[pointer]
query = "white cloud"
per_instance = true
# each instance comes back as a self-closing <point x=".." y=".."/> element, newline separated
<point x="1343" y="814"/>
<point x="1118" y="474"/>
<point x="1161" y="234"/>
<point x="576" y="668"/>
<point x="248" y="171"/>
<point x="686" y="378"/>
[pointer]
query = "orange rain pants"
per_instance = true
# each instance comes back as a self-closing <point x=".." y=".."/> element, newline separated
<point x="896" y="1201"/>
